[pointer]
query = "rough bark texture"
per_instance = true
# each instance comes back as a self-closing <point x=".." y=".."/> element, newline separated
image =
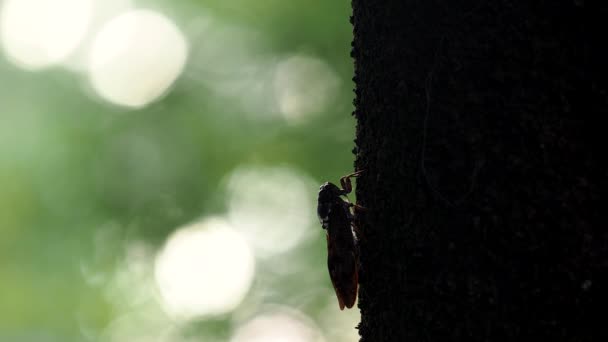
<point x="479" y="130"/>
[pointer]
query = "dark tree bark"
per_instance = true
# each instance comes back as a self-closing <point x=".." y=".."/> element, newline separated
<point x="479" y="131"/>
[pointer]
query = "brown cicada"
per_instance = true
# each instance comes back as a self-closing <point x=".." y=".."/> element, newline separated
<point x="336" y="218"/>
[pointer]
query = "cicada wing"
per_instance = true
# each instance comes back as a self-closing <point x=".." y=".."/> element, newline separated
<point x="351" y="296"/>
<point x="344" y="278"/>
<point x="340" y="300"/>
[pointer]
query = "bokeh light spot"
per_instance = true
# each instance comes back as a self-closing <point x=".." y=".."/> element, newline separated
<point x="304" y="85"/>
<point x="271" y="206"/>
<point x="39" y="33"/>
<point x="136" y="57"/>
<point x="339" y="326"/>
<point x="204" y="269"/>
<point x="278" y="326"/>
<point x="231" y="62"/>
<point x="102" y="11"/>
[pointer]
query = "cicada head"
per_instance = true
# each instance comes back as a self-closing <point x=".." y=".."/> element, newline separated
<point x="328" y="194"/>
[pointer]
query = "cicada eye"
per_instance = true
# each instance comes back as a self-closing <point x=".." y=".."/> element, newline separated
<point x="323" y="210"/>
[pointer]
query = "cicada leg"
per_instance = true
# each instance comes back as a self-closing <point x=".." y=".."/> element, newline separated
<point x="357" y="207"/>
<point x="346" y="183"/>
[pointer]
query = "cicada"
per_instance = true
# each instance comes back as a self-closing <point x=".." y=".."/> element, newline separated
<point x="336" y="218"/>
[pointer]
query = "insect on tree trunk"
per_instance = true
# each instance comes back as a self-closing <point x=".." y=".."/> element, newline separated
<point x="480" y="139"/>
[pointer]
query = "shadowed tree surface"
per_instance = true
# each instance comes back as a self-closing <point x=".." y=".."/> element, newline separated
<point x="479" y="133"/>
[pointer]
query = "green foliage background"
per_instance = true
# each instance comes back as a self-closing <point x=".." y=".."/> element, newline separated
<point x="68" y="170"/>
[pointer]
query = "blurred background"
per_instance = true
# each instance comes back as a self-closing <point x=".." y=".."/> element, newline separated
<point x="159" y="164"/>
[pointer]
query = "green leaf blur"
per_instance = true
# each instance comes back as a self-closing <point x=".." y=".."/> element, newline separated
<point x="90" y="190"/>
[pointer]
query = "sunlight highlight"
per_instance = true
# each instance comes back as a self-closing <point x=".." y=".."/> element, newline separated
<point x="204" y="269"/>
<point x="272" y="207"/>
<point x="39" y="33"/>
<point x="136" y="57"/>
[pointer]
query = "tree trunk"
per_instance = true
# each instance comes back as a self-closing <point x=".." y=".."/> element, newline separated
<point x="480" y="139"/>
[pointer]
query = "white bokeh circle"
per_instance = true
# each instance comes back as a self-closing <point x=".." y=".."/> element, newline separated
<point x="204" y="269"/>
<point x="271" y="206"/>
<point x="35" y="34"/>
<point x="136" y="57"/>
<point x="278" y="325"/>
<point x="304" y="85"/>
